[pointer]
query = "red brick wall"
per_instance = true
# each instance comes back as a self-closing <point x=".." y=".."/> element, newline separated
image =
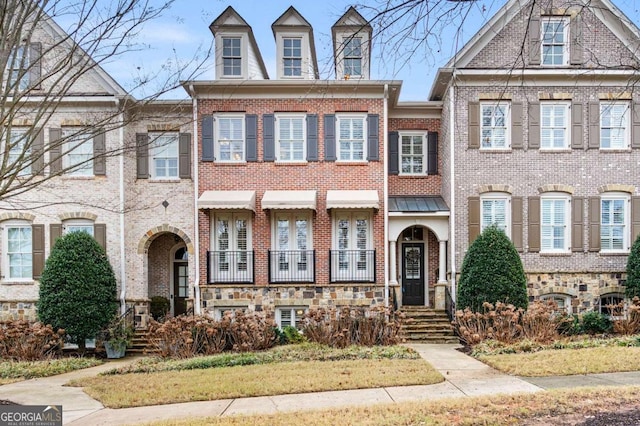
<point x="320" y="176"/>
<point x="416" y="185"/>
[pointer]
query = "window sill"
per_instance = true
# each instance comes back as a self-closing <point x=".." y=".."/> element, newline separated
<point x="556" y="254"/>
<point x="230" y="163"/>
<point x="14" y="282"/>
<point x="415" y="176"/>
<point x="168" y="180"/>
<point x="290" y="163"/>
<point x="71" y="177"/>
<point x="554" y="151"/>
<point x="352" y="163"/>
<point x="614" y="253"/>
<point x="616" y="150"/>
<point x="496" y="150"/>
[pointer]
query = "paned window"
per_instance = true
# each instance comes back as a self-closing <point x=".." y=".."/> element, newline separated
<point x="555" y="42"/>
<point x="18" y="68"/>
<point x="231" y="56"/>
<point x="351" y="134"/>
<point x="554" y="125"/>
<point x="18" y="250"/>
<point x="232" y="256"/>
<point x="78" y="148"/>
<point x="289" y="316"/>
<point x="292" y="57"/>
<point x="614" y="122"/>
<point x="164" y="155"/>
<point x="554" y="224"/>
<point x="495" y="211"/>
<point x="494" y="125"/>
<point x="292" y="258"/>
<point x="291" y="138"/>
<point x="19" y="151"/>
<point x="353" y="258"/>
<point x="614" y="229"/>
<point x="412" y="153"/>
<point x="353" y="56"/>
<point x="230" y="139"/>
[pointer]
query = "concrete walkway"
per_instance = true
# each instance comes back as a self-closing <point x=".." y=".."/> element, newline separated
<point x="464" y="376"/>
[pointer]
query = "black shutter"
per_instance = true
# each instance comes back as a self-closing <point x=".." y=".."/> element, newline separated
<point x="184" y="155"/>
<point x="330" y="137"/>
<point x="251" y="128"/>
<point x="432" y="153"/>
<point x="142" y="155"/>
<point x="208" y="152"/>
<point x="99" y="154"/>
<point x="268" y="137"/>
<point x="373" y="137"/>
<point x="394" y="165"/>
<point x="312" y="137"/>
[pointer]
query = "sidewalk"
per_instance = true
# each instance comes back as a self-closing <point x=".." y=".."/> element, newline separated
<point x="464" y="376"/>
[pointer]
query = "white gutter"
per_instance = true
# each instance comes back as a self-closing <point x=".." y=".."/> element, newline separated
<point x="196" y="230"/>
<point x="123" y="274"/>
<point x="385" y="160"/>
<point x="452" y="185"/>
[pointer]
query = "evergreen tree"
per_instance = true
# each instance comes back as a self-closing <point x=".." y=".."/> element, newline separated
<point x="78" y="288"/>
<point x="492" y="271"/>
<point x="633" y="271"/>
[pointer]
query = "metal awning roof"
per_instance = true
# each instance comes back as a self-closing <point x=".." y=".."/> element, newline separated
<point x="427" y="204"/>
<point x="227" y="200"/>
<point x="289" y="200"/>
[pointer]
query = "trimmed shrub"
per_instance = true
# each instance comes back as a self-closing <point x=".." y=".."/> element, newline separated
<point x="159" y="307"/>
<point x="632" y="286"/>
<point x="595" y="323"/>
<point x="492" y="272"/>
<point x="77" y="288"/>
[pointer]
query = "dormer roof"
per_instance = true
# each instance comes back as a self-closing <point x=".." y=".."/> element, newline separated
<point x="349" y="26"/>
<point x="229" y="22"/>
<point x="291" y="22"/>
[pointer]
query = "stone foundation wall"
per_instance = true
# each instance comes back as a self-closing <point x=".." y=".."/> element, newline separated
<point x="268" y="298"/>
<point x="12" y="310"/>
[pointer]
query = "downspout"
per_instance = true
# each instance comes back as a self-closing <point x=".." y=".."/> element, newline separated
<point x="452" y="188"/>
<point x="196" y="233"/>
<point x="385" y="160"/>
<point x="123" y="274"/>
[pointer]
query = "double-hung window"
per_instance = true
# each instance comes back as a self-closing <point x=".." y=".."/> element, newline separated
<point x="495" y="117"/>
<point x="412" y="153"/>
<point x="18" y="251"/>
<point x="19" y="151"/>
<point x="555" y="41"/>
<point x="495" y="211"/>
<point x="614" y="125"/>
<point x="291" y="144"/>
<point x="554" y="125"/>
<point x="230" y="138"/>
<point x="78" y="152"/>
<point x="292" y="57"/>
<point x="554" y="226"/>
<point x="164" y="155"/>
<point x="18" y="68"/>
<point x="353" y="56"/>
<point x="232" y="56"/>
<point x="614" y="227"/>
<point x="351" y="137"/>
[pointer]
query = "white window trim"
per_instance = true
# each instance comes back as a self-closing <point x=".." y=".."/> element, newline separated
<point x="19" y="66"/>
<point x="24" y="163"/>
<point x="340" y="39"/>
<point x="292" y="216"/>
<point x="153" y="137"/>
<point x="610" y="295"/>
<point x="627" y="133"/>
<point x="305" y="72"/>
<point x="218" y="311"/>
<point x="565" y="31"/>
<point x="279" y="117"/>
<point x="15" y="223"/>
<point x="507" y="119"/>
<point x="85" y="223"/>
<point x="626" y="242"/>
<point x="353" y="216"/>
<point x="497" y="196"/>
<point x="297" y="313"/>
<point x="554" y="296"/>
<point x="567" y="222"/>
<point x="71" y="138"/>
<point x="425" y="158"/>
<point x="216" y="127"/>
<point x="567" y="126"/>
<point x="244" y="52"/>
<point x="365" y="134"/>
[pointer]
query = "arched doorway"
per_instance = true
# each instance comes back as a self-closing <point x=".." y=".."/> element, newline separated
<point x="414" y="270"/>
<point x="180" y="281"/>
<point x="168" y="266"/>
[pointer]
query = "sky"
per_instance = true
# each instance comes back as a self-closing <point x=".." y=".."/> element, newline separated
<point x="182" y="33"/>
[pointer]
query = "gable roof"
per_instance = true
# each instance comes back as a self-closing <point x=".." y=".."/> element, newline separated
<point x="292" y="19"/>
<point x="230" y="19"/>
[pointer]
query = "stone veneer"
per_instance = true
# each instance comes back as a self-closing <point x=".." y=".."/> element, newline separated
<point x="10" y="310"/>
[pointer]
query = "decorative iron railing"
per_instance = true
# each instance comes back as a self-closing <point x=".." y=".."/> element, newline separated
<point x="352" y="265"/>
<point x="230" y="267"/>
<point x="292" y="266"/>
<point x="449" y="304"/>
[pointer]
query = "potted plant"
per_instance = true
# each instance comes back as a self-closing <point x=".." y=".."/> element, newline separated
<point x="116" y="337"/>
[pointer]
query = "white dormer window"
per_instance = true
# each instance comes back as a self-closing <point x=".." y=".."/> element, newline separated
<point x="353" y="56"/>
<point x="231" y="56"/>
<point x="292" y="57"/>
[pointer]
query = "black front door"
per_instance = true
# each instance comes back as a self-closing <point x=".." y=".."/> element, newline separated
<point x="413" y="274"/>
<point x="180" y="287"/>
